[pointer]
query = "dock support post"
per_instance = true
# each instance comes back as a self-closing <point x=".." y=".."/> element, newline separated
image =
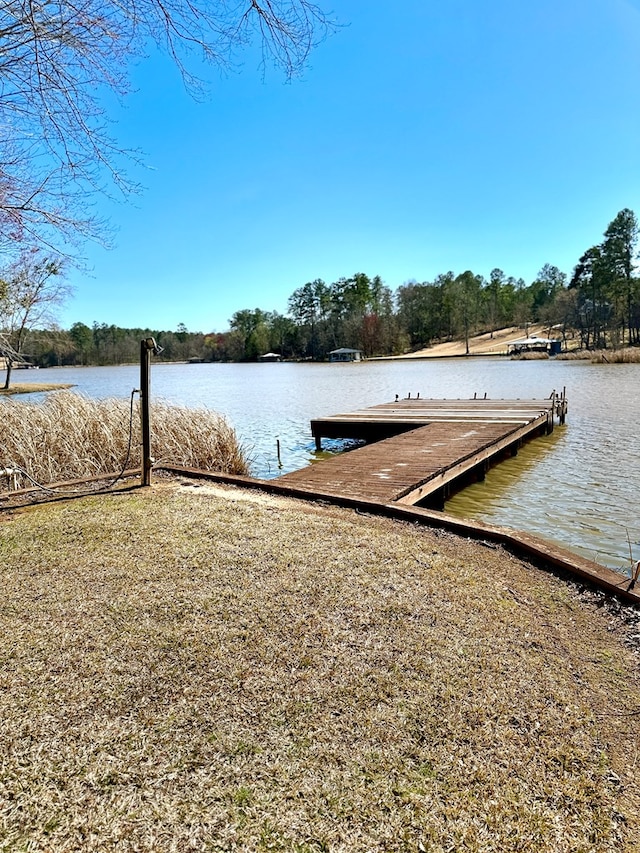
<point x="318" y="443"/>
<point x="551" y="413"/>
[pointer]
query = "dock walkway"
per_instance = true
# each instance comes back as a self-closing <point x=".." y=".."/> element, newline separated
<point x="423" y="449"/>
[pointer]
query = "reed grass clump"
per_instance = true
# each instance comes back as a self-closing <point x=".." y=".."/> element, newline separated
<point x="627" y="355"/>
<point x="574" y="355"/>
<point x="530" y="356"/>
<point x="69" y="436"/>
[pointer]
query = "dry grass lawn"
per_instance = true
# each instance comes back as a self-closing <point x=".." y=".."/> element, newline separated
<point x="190" y="668"/>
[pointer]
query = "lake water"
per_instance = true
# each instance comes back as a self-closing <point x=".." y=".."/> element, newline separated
<point x="579" y="487"/>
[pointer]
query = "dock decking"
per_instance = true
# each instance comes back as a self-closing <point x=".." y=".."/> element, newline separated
<point x="422" y="449"/>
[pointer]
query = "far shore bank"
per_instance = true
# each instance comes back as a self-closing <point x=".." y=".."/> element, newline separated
<point x="34" y="387"/>
<point x="488" y="344"/>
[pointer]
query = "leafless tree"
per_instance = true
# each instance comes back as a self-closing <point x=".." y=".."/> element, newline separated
<point x="31" y="289"/>
<point x="57" y="59"/>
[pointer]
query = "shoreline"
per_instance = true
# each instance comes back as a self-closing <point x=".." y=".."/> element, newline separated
<point x="540" y="551"/>
<point x="34" y="388"/>
<point x="545" y="554"/>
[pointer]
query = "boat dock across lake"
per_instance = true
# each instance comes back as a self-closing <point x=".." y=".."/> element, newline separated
<point x="419" y="450"/>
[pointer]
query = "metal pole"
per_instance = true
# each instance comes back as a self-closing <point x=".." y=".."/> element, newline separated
<point x="145" y="363"/>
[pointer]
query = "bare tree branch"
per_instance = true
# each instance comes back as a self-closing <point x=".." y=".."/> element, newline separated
<point x="58" y="57"/>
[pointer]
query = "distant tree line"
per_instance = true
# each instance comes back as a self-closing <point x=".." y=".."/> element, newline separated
<point x="601" y="302"/>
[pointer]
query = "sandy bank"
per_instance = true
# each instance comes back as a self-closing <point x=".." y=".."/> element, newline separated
<point x="486" y="344"/>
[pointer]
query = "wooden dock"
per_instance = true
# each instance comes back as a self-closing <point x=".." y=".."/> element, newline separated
<point x="438" y="444"/>
<point x="421" y="450"/>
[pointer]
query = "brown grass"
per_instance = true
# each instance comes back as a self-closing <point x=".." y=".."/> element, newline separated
<point x="575" y="355"/>
<point x="628" y="355"/>
<point x="209" y="669"/>
<point x="70" y="436"/>
<point x="487" y="343"/>
<point x="530" y="356"/>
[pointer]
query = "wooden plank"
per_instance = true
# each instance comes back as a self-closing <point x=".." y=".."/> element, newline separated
<point x="420" y="446"/>
<point x="426" y="411"/>
<point x="418" y="420"/>
<point x="458" y="469"/>
<point x="378" y="422"/>
<point x="425" y="458"/>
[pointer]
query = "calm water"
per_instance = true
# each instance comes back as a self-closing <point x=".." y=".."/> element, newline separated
<point x="579" y="487"/>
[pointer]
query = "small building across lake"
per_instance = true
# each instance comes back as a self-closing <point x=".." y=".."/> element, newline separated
<point x="345" y="354"/>
<point x="535" y="344"/>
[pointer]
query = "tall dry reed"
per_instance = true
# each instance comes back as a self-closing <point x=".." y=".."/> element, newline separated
<point x="70" y="436"/>
<point x="574" y="355"/>
<point x="627" y="355"/>
<point x="530" y="356"/>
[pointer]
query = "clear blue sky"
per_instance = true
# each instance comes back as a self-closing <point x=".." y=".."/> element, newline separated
<point x="425" y="137"/>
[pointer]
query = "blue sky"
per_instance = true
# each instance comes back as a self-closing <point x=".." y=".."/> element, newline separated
<point x="461" y="135"/>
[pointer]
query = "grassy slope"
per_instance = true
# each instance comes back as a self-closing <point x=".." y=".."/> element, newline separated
<point x="238" y="672"/>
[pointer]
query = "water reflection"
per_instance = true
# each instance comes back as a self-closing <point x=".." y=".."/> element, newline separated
<point x="579" y="486"/>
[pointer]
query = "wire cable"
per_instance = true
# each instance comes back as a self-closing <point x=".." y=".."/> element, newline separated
<point x="60" y="491"/>
<point x="130" y="442"/>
